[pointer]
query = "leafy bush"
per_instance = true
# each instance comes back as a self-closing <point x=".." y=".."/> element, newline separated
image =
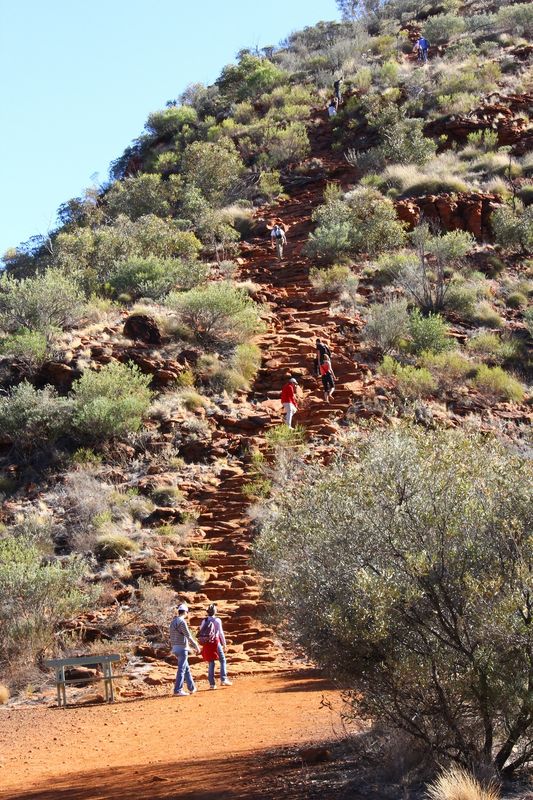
<point x="450" y="367"/>
<point x="170" y="121"/>
<point x="517" y="18"/>
<point x="218" y="312"/>
<point x="44" y="303"/>
<point x="492" y="348"/>
<point x="428" y="283"/>
<point x="114" y="546"/>
<point x="387" y="324"/>
<point x="513" y="228"/>
<point x="412" y="382"/>
<point x="373" y="561"/>
<point x="155" y="277"/>
<point x="30" y="348"/>
<point x="497" y="384"/>
<point x="215" y="168"/>
<point x="247" y="360"/>
<point x="528" y="319"/>
<point x="330" y="280"/>
<point x="428" y="334"/>
<point x="486" y="316"/>
<point x="37" y="594"/>
<point x="111" y="402"/>
<point x="251" y="77"/>
<point x="269" y="184"/>
<point x="143" y="194"/>
<point x="442" y="27"/>
<point x="33" y="419"/>
<point x="286" y="145"/>
<point x="360" y="221"/>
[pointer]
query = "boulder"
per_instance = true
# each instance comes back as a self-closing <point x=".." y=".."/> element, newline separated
<point x="141" y="327"/>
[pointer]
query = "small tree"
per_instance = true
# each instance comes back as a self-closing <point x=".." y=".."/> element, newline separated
<point x="35" y="596"/>
<point x="428" y="281"/>
<point x="387" y="324"/>
<point x="215" y="168"/>
<point x="513" y="227"/>
<point x="217" y="312"/>
<point x="44" y="303"/>
<point x="33" y="419"/>
<point x="143" y="194"/>
<point x="405" y="570"/>
<point x="111" y="402"/>
<point x="155" y="277"/>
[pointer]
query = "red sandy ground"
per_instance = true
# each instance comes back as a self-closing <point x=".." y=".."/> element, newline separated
<point x="211" y="745"/>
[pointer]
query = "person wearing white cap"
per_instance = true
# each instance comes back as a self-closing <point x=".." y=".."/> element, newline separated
<point x="288" y="399"/>
<point x="180" y="639"/>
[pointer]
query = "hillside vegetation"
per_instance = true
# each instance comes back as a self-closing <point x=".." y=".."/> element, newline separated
<point x="144" y="342"/>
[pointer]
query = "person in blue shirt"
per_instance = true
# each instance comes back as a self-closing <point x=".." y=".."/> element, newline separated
<point x="421" y="47"/>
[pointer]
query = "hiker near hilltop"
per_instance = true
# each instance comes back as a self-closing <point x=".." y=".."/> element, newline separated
<point x="278" y="239"/>
<point x="337" y="90"/>
<point x="322" y="350"/>
<point x="180" y="639"/>
<point x="288" y="399"/>
<point x="328" y="378"/>
<point x="211" y="637"/>
<point x="421" y="49"/>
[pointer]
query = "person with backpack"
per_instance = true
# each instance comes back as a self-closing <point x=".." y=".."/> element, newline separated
<point x="278" y="239"/>
<point x="421" y="48"/>
<point x="180" y="639"/>
<point x="211" y="637"/>
<point x="328" y="378"/>
<point x="337" y="90"/>
<point x="322" y="350"/>
<point x="288" y="399"/>
<point x="332" y="109"/>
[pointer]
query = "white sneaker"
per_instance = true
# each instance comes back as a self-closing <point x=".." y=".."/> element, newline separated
<point x="181" y="693"/>
<point x="193" y="691"/>
<point x="213" y="687"/>
<point x="226" y="682"/>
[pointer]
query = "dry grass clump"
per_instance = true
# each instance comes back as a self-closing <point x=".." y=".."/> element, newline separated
<point x="441" y="174"/>
<point x="497" y="384"/>
<point x="456" y="783"/>
<point x="4" y="694"/>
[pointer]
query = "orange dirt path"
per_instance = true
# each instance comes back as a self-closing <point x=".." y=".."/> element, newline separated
<point x="210" y="745"/>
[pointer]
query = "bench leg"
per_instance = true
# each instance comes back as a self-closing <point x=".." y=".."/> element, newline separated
<point x="58" y="687"/>
<point x="63" y="686"/>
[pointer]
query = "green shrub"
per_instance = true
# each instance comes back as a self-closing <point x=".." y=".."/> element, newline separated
<point x="517" y="18"/>
<point x="286" y="145"/>
<point x="428" y="334"/>
<point x="442" y="27"/>
<point x="485" y="139"/>
<point x="214" y="168"/>
<point x="372" y="558"/>
<point x="155" y="277"/>
<point x="218" y="312"/>
<point x="270" y="185"/>
<point x="170" y="121"/>
<point x="450" y="368"/>
<point x="259" y="487"/>
<point x="486" y="316"/>
<point x="387" y="324"/>
<point x="37" y="594"/>
<point x="246" y="360"/>
<point x="281" y="436"/>
<point x="31" y="348"/>
<point x="330" y="280"/>
<point x="168" y="496"/>
<point x="491" y="347"/>
<point x="513" y="227"/>
<point x="113" y="546"/>
<point x="111" y="402"/>
<point x="497" y="384"/>
<point x="250" y="78"/>
<point x="86" y="457"/>
<point x="34" y="419"/>
<point x="412" y="382"/>
<point x="44" y="303"/>
<point x="192" y="400"/>
<point x="516" y="300"/>
<point x="143" y="194"/>
<point x="362" y="221"/>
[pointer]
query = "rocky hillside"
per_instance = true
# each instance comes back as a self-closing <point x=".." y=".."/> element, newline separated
<point x="145" y="344"/>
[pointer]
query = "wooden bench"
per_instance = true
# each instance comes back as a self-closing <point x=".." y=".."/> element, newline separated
<point x="61" y="664"/>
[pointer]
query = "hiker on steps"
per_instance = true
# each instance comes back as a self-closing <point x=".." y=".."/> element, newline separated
<point x="421" y="49"/>
<point x="332" y="109"/>
<point x="288" y="399"/>
<point x="279" y="240"/>
<point x="211" y="637"/>
<point x="322" y="350"/>
<point x="180" y="639"/>
<point x="337" y="90"/>
<point x="328" y="378"/>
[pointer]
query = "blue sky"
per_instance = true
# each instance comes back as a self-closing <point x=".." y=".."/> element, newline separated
<point x="79" y="78"/>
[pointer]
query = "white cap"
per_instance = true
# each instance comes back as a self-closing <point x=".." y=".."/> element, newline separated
<point x="293" y="380"/>
<point x="183" y="607"/>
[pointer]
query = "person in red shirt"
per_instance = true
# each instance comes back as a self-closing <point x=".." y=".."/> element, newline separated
<point x="288" y="399"/>
<point x="328" y="378"/>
